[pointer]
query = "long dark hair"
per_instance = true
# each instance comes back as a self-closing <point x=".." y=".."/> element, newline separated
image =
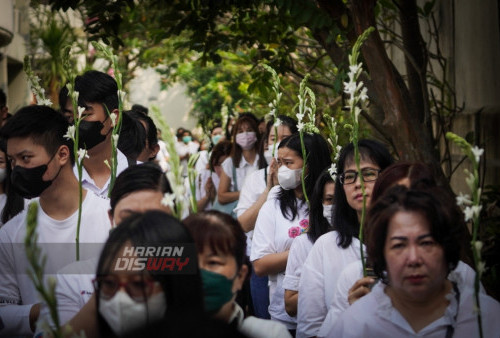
<point x="317" y="159"/>
<point x="183" y="292"/>
<point x="236" y="151"/>
<point x="346" y="219"/>
<point x="318" y="225"/>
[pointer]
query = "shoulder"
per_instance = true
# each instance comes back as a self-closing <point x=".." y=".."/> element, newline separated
<point x="10" y="230"/>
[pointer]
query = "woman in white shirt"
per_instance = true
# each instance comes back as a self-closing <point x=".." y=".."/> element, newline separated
<point x="412" y="244"/>
<point x="244" y="160"/>
<point x="335" y="249"/>
<point x="285" y="216"/>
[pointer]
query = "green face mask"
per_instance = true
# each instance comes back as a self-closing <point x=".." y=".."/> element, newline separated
<point x="217" y="290"/>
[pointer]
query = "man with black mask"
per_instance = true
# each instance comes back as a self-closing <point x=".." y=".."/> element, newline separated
<point x="98" y="94"/>
<point x="42" y="170"/>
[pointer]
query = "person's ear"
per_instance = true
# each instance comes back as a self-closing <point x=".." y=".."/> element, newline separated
<point x="154" y="150"/>
<point x="63" y="154"/>
<point x="240" y="278"/>
<point x="110" y="215"/>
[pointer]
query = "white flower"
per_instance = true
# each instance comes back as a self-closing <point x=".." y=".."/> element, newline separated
<point x="171" y="178"/>
<point x="476" y="209"/>
<point x="168" y="200"/>
<point x="75" y="95"/>
<point x="300" y="126"/>
<point x="70" y="134"/>
<point x="350" y="88"/>
<point x="477" y="152"/>
<point x="82" y="153"/>
<point x="45" y="102"/>
<point x="80" y="110"/>
<point x="300" y="116"/>
<point x="113" y="119"/>
<point x="179" y="191"/>
<point x="470" y="181"/>
<point x="363" y="96"/>
<point x="277" y="123"/>
<point x="468" y="213"/>
<point x="115" y="139"/>
<point x="270" y="104"/>
<point x="481" y="268"/>
<point x="463" y="199"/>
<point x="478" y="245"/>
<point x="333" y="171"/>
<point x="121" y="95"/>
<point x="357" y="111"/>
<point x="107" y="164"/>
<point x="273" y="112"/>
<point x="354" y="68"/>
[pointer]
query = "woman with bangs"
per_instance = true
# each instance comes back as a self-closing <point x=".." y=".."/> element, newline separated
<point x="220" y="244"/>
<point x="336" y="249"/>
<point x="284" y="216"/>
<point x="243" y="160"/>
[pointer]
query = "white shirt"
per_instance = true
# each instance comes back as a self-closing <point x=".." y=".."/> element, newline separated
<point x="242" y="171"/>
<point x="318" y="281"/>
<point x="182" y="150"/>
<point x="162" y="156"/>
<point x="254" y="186"/>
<point x="273" y="234"/>
<point x="201" y="182"/>
<point x="254" y="327"/>
<point x="463" y="275"/>
<point x="297" y="255"/>
<point x="202" y="162"/>
<point x="89" y="184"/>
<point x="3" y="199"/>
<point x="374" y="316"/>
<point x="17" y="292"/>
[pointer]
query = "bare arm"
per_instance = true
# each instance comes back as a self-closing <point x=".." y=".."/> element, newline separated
<point x="291" y="301"/>
<point x="223" y="194"/>
<point x="270" y="264"/>
<point x="85" y="320"/>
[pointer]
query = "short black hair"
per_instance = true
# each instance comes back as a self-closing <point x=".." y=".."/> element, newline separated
<point x="140" y="109"/>
<point x="145" y="176"/>
<point x="151" y="130"/>
<point x="3" y="99"/>
<point x="132" y="140"/>
<point x="96" y="87"/>
<point x="44" y="125"/>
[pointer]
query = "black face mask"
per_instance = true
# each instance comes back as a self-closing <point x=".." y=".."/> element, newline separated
<point x="90" y="134"/>
<point x="28" y="182"/>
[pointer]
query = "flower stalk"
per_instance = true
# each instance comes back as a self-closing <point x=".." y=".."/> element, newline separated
<point x="34" y="83"/>
<point x="357" y="94"/>
<point x="116" y="120"/>
<point x="274" y="105"/>
<point x="472" y="211"/>
<point x="192" y="173"/>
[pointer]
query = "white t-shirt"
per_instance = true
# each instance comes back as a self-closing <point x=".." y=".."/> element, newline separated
<point x="202" y="162"/>
<point x="254" y="327"/>
<point x="243" y="170"/>
<point x="3" y="199"/>
<point x="374" y="316"/>
<point x="463" y="275"/>
<point x="318" y="281"/>
<point x="274" y="234"/>
<point x="162" y="156"/>
<point x="17" y="292"/>
<point x="89" y="184"/>
<point x="299" y="251"/>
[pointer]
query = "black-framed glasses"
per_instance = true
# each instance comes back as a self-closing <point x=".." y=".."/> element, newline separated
<point x="349" y="177"/>
<point x="139" y="290"/>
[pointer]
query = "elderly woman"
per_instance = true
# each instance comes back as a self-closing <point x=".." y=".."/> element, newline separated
<point x="412" y="246"/>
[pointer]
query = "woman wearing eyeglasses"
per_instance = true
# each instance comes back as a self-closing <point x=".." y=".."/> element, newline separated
<point x="336" y="249"/>
<point x="135" y="298"/>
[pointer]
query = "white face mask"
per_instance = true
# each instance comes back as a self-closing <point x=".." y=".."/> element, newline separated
<point x="268" y="154"/>
<point x="328" y="212"/>
<point x="123" y="314"/>
<point x="289" y="178"/>
<point x="3" y="174"/>
<point x="246" y="140"/>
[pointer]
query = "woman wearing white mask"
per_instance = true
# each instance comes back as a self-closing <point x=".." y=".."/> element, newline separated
<point x="133" y="299"/>
<point x="244" y="160"/>
<point x="320" y="222"/>
<point x="285" y="216"/>
<point x="253" y="194"/>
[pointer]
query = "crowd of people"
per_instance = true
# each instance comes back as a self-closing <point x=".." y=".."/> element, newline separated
<point x="274" y="249"/>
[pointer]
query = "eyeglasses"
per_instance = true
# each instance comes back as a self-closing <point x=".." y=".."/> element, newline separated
<point x="349" y="177"/>
<point x="139" y="290"/>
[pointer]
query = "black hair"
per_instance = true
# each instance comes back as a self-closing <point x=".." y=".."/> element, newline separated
<point x="434" y="203"/>
<point x="346" y="219"/>
<point x="317" y="159"/>
<point x="146" y="176"/>
<point x="151" y="131"/>
<point x="96" y="87"/>
<point x="318" y="224"/>
<point x="220" y="232"/>
<point x="183" y="291"/>
<point x="132" y="140"/>
<point x="237" y="151"/>
<point x="44" y="125"/>
<point x="286" y="121"/>
<point x="14" y="203"/>
<point x="223" y="148"/>
<point x="3" y="98"/>
<point x="140" y="109"/>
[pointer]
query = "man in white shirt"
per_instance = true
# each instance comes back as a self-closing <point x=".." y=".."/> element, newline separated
<point x="41" y="160"/>
<point x="98" y="94"/>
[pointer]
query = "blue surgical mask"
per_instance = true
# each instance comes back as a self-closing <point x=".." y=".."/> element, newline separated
<point x="186" y="139"/>
<point x="216" y="139"/>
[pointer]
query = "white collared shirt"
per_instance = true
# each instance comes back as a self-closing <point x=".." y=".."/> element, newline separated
<point x="89" y="184"/>
<point x="242" y="171"/>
